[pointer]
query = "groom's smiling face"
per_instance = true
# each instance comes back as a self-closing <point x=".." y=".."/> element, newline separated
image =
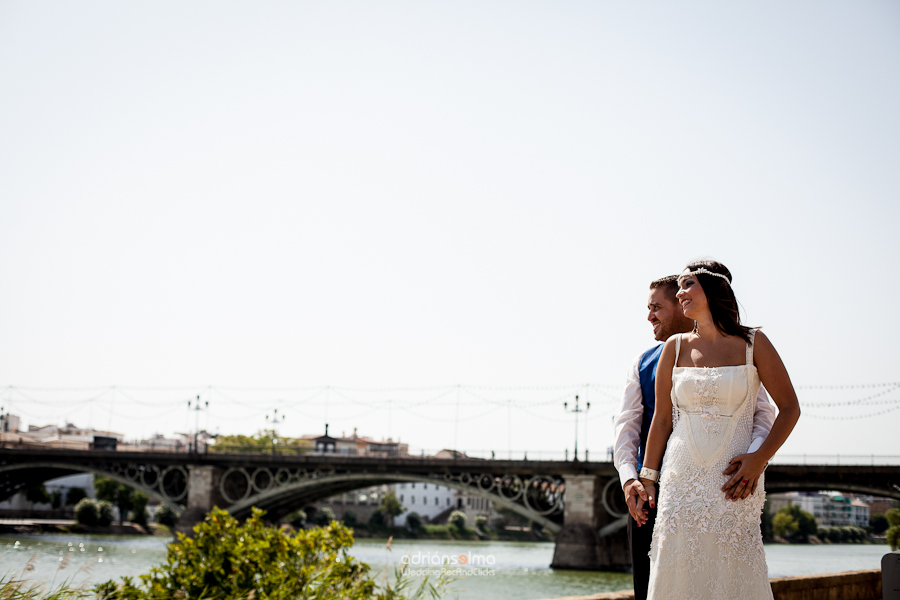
<point x="665" y="314"/>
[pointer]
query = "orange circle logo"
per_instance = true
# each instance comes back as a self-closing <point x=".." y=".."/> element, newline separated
<point x="463" y="559"/>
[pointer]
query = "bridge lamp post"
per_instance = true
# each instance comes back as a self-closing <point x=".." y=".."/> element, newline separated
<point x="197" y="407"/>
<point x="274" y="419"/>
<point x="576" y="410"/>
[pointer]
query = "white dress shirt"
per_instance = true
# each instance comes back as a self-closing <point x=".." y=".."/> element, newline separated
<point x="628" y="424"/>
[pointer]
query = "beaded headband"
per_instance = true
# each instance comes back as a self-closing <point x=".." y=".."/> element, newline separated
<point x="708" y="272"/>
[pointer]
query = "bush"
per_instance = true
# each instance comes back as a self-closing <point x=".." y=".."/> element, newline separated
<point x="105" y="513"/>
<point x="350" y="519"/>
<point x="377" y="518"/>
<point x="481" y="522"/>
<point x="229" y="560"/>
<point x="457" y="520"/>
<point x="165" y="516"/>
<point x="86" y="512"/>
<point x="323" y="517"/>
<point x="893" y="532"/>
<point x="413" y="522"/>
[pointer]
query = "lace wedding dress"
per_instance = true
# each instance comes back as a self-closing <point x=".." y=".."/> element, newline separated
<point x="703" y="545"/>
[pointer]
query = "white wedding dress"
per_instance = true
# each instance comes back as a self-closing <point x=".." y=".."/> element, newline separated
<point x="703" y="545"/>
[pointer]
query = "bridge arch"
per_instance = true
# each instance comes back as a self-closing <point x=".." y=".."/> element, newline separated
<point x="279" y="500"/>
<point x="17" y="477"/>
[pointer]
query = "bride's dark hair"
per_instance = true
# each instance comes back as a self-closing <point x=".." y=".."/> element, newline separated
<point x="722" y="303"/>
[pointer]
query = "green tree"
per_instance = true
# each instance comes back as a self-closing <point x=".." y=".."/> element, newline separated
<point x="792" y="521"/>
<point x="117" y="494"/>
<point x="350" y="519"/>
<point x="414" y="522"/>
<point x="264" y="441"/>
<point x="879" y="523"/>
<point x="75" y="495"/>
<point x="457" y="520"/>
<point x="893" y="532"/>
<point x="139" y="508"/>
<point x="37" y="494"/>
<point x="229" y="560"/>
<point x="785" y="525"/>
<point x="391" y="507"/>
<point x="56" y="499"/>
<point x="164" y="515"/>
<point x="86" y="512"/>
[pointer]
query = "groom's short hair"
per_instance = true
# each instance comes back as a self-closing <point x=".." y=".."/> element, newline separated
<point x="669" y="285"/>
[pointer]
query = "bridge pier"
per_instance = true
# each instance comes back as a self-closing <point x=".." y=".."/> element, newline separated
<point x="203" y="495"/>
<point x="591" y="538"/>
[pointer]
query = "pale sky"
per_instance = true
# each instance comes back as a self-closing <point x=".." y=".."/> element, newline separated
<point x="198" y="197"/>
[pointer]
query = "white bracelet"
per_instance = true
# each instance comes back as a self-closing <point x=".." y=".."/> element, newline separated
<point x="648" y="473"/>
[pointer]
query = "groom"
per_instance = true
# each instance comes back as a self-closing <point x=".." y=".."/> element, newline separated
<point x="633" y="424"/>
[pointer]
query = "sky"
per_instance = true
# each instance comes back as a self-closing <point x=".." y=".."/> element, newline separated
<point x="438" y="221"/>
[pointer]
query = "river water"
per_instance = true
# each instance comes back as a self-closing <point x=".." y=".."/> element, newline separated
<point x="490" y="570"/>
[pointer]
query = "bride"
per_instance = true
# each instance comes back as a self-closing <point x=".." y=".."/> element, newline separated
<point x="707" y="542"/>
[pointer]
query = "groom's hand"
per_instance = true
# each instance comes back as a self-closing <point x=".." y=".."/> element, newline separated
<point x="635" y="496"/>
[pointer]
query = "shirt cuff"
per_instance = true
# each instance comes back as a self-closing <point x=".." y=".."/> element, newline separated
<point x="626" y="472"/>
<point x="755" y="444"/>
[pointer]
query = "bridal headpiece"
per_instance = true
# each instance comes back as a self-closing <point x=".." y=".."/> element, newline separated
<point x="708" y="272"/>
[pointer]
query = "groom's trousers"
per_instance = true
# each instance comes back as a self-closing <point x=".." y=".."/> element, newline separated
<point x="639" y="539"/>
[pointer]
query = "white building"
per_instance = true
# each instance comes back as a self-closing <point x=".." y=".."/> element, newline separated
<point x="60" y="485"/>
<point x="427" y="499"/>
<point x="433" y="500"/>
<point x="830" y="510"/>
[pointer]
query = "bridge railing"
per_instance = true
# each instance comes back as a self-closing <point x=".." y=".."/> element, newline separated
<point x="506" y="454"/>
<point x="871" y="460"/>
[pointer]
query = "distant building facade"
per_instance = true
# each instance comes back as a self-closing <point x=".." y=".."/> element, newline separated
<point x="828" y="509"/>
<point x="356" y="445"/>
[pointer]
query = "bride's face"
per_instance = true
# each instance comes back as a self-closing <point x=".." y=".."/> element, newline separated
<point x="691" y="296"/>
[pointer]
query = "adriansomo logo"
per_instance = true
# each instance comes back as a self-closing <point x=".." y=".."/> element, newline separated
<point x="433" y="558"/>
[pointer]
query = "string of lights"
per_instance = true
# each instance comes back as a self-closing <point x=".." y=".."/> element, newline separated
<point x="851" y="402"/>
<point x="853" y="417"/>
<point x="114" y="400"/>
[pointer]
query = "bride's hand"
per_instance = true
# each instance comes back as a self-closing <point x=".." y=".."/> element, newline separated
<point x="650" y="488"/>
<point x="746" y="469"/>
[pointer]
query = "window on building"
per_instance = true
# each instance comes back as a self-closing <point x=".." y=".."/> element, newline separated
<point x="448" y="501"/>
<point x="436" y="500"/>
<point x="424" y="486"/>
<point x="412" y="499"/>
<point x="425" y="500"/>
<point x="412" y="485"/>
<point x="401" y="498"/>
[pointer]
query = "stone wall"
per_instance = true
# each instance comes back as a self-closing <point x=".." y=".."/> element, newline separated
<point x="853" y="585"/>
